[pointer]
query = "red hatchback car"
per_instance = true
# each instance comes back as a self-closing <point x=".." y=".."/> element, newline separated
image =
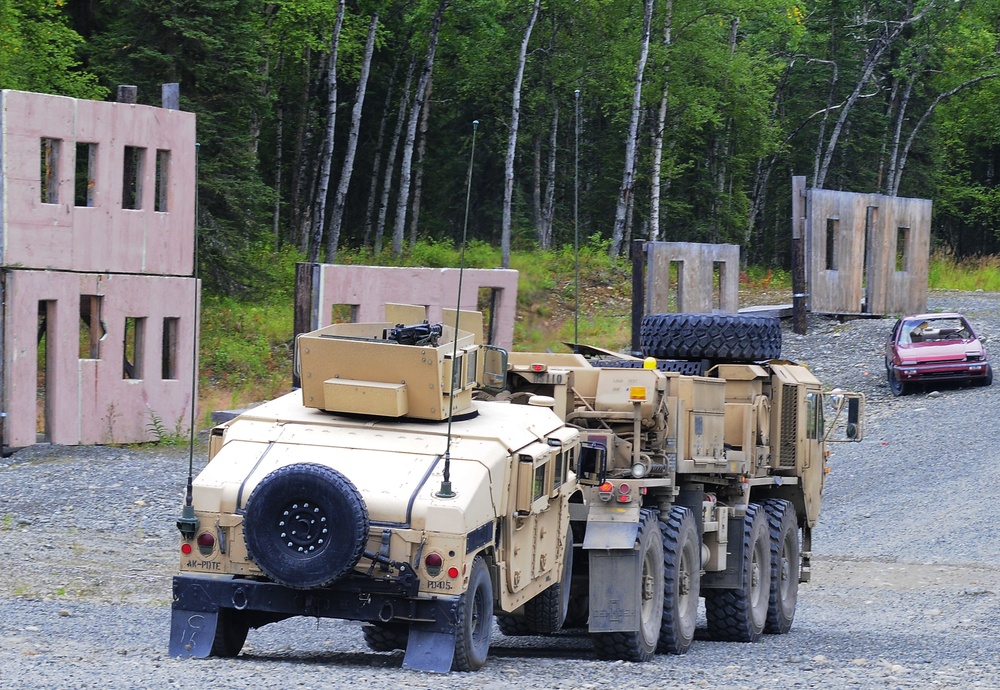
<point x="926" y="348"/>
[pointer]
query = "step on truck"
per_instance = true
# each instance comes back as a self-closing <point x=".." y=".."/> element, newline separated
<point x="423" y="483"/>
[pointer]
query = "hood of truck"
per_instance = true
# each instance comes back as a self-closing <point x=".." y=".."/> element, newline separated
<point x="397" y="466"/>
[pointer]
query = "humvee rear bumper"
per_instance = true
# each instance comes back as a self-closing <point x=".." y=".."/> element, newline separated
<point x="198" y="599"/>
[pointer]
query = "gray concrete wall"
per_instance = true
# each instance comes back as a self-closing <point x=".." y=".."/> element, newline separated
<point x="695" y="287"/>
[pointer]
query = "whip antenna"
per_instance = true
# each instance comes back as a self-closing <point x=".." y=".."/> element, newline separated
<point x="576" y="224"/>
<point x="187" y="523"/>
<point x="445" y="491"/>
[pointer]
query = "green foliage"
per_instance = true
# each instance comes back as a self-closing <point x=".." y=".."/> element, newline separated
<point x="38" y="51"/>
<point x="976" y="273"/>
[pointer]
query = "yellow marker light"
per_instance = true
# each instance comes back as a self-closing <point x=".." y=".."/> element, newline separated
<point x="649" y="363"/>
<point x="637" y="393"/>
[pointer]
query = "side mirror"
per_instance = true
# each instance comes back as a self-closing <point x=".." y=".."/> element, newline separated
<point x="494" y="374"/>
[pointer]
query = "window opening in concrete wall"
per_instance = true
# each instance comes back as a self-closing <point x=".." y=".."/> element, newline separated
<point x="91" y="327"/>
<point x="162" y="179"/>
<point x="344" y="313"/>
<point x="902" y="248"/>
<point x="718" y="280"/>
<point x="86" y="174"/>
<point x="135" y="328"/>
<point x="51" y="151"/>
<point x="486" y="302"/>
<point x="832" y="226"/>
<point x="132" y="173"/>
<point x="169" y="352"/>
<point x="43" y="372"/>
<point x="675" y="286"/>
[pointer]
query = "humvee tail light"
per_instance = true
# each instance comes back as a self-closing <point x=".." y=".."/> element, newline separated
<point x="206" y="540"/>
<point x="637" y="393"/>
<point x="604" y="491"/>
<point x="453" y="572"/>
<point x="538" y="368"/>
<point x="433" y="564"/>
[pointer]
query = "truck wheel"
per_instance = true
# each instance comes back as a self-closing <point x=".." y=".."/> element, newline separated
<point x="546" y="612"/>
<point x="305" y="525"/>
<point x="641" y="645"/>
<point x="231" y="629"/>
<point x="475" y="620"/>
<point x="385" y="637"/>
<point x="739" y="614"/>
<point x="681" y="580"/>
<point x="739" y="337"/>
<point x="514" y="626"/>
<point x="784" y="593"/>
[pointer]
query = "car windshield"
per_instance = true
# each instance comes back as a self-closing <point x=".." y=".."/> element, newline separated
<point x="934" y="330"/>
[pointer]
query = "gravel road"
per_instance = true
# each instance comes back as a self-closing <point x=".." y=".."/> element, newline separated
<point x="905" y="590"/>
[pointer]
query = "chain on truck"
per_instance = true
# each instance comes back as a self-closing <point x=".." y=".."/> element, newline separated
<point x="426" y="484"/>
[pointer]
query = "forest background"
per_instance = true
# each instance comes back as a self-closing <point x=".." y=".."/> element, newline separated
<point x="392" y="132"/>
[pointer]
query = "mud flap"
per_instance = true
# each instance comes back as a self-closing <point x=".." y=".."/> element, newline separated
<point x="427" y="650"/>
<point x="192" y="633"/>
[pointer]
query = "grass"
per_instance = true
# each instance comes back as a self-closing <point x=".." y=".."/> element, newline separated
<point x="246" y="345"/>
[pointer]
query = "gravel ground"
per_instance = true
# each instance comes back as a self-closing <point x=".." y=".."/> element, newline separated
<point x="904" y="591"/>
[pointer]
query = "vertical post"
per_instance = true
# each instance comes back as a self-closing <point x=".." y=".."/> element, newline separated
<point x="306" y="277"/>
<point x="170" y="96"/>
<point x="800" y="289"/>
<point x="638" y="290"/>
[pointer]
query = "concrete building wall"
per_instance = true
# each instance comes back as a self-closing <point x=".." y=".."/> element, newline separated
<point x="705" y="278"/>
<point x="866" y="253"/>
<point x="367" y="289"/>
<point x="65" y="214"/>
<point x="96" y="224"/>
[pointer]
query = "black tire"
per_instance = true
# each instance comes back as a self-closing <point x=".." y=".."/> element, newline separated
<point x="546" y="613"/>
<point x="896" y="387"/>
<point x="641" y="645"/>
<point x="514" y="626"/>
<point x="475" y="620"/>
<point x="783" y="525"/>
<point x="681" y="580"/>
<point x="231" y="631"/>
<point x="986" y="380"/>
<point x="737" y="337"/>
<point x="739" y="614"/>
<point x="385" y="637"/>
<point x="305" y="525"/>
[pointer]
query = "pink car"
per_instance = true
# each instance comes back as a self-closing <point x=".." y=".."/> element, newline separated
<point x="926" y="348"/>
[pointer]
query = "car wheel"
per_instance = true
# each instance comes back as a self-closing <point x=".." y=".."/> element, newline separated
<point x="896" y="386"/>
<point x="986" y="380"/>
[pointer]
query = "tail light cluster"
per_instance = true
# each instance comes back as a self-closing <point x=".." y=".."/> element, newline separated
<point x="433" y="564"/>
<point x="619" y="493"/>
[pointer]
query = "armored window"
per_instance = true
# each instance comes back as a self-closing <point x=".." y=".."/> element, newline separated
<point x="814" y="415"/>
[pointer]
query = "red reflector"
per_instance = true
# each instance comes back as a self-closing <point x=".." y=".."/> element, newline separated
<point x="624" y="488"/>
<point x="206" y="539"/>
<point x="453" y="572"/>
<point x="185" y="549"/>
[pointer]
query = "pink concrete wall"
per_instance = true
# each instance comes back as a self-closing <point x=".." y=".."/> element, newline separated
<point x="103" y="237"/>
<point x="90" y="401"/>
<point x="369" y="288"/>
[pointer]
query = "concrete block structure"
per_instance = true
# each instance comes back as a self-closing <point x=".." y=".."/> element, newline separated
<point x="692" y="277"/>
<point x="865" y="253"/>
<point x="98" y="328"/>
<point x="326" y="293"/>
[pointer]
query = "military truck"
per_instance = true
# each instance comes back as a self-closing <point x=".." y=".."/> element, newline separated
<point x="422" y="483"/>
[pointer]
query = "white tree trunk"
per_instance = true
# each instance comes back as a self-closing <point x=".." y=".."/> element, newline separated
<point x="628" y="178"/>
<point x="515" y="116"/>
<point x="333" y="240"/>
<point x="326" y="160"/>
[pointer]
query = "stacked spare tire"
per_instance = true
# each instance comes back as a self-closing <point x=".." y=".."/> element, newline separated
<point x="724" y="337"/>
